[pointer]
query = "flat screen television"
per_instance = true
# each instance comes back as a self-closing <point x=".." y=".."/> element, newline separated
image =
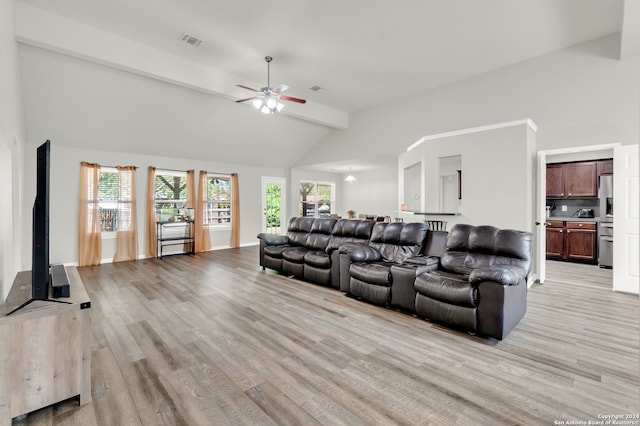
<point x="40" y="247"/>
<point x="40" y="268"/>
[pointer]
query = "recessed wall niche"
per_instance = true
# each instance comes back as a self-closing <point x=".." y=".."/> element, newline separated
<point x="412" y="187"/>
<point x="450" y="185"/>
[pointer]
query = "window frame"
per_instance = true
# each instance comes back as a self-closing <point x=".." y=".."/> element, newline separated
<point x="316" y="183"/>
<point x="107" y="234"/>
<point x="227" y="224"/>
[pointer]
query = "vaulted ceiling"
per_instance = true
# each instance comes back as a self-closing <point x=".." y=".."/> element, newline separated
<point x="116" y="74"/>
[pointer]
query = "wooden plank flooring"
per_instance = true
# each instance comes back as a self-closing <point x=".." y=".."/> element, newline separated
<point x="213" y="340"/>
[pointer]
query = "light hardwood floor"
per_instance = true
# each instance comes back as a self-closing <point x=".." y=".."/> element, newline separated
<point x="212" y="339"/>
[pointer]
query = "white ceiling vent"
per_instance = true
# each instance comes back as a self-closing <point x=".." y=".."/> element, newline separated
<point x="189" y="39"/>
<point x="316" y="88"/>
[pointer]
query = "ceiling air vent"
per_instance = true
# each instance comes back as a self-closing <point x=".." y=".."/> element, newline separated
<point x="316" y="88"/>
<point x="189" y="39"/>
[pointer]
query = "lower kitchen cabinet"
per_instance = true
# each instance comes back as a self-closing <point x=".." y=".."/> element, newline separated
<point x="580" y="241"/>
<point x="573" y="241"/>
<point x="555" y="239"/>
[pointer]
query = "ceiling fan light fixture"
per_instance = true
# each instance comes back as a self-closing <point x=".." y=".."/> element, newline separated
<point x="268" y="100"/>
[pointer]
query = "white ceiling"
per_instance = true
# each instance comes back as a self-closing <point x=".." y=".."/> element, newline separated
<point x="361" y="52"/>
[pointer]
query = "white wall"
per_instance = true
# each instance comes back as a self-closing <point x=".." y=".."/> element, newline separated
<point x="578" y="96"/>
<point x="12" y="133"/>
<point x="373" y="193"/>
<point x="497" y="179"/>
<point x="65" y="175"/>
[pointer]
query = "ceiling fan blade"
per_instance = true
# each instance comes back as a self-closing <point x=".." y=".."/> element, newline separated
<point x="247" y="99"/>
<point x="280" y="88"/>
<point x="248" y="88"/>
<point x="292" y="99"/>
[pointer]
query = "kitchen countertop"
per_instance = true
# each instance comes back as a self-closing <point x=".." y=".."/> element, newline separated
<point x="575" y="219"/>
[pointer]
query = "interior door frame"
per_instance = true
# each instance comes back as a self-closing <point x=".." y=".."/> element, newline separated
<point x="265" y="180"/>
<point x="625" y="219"/>
<point x="542" y="199"/>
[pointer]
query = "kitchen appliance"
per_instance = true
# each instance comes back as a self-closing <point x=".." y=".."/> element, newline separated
<point x="585" y="213"/>
<point x="605" y="194"/>
<point x="605" y="226"/>
<point x="605" y="245"/>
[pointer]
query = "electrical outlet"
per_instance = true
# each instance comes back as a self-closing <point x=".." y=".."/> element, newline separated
<point x="564" y="208"/>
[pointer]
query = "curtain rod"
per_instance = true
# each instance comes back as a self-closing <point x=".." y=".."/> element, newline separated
<point x="171" y="170"/>
<point x="112" y="167"/>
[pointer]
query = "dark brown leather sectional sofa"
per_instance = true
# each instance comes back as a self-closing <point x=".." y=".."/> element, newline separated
<point x="473" y="279"/>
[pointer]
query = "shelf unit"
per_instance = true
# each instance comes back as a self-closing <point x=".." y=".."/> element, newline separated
<point x="168" y="234"/>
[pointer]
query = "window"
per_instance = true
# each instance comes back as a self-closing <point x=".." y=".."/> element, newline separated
<point x="170" y="191"/>
<point x="316" y="199"/>
<point x="108" y="199"/>
<point x="219" y="200"/>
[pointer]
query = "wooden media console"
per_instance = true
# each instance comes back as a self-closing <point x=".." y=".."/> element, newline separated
<point x="45" y="349"/>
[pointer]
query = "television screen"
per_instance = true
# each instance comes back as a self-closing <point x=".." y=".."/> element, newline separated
<point x="40" y="248"/>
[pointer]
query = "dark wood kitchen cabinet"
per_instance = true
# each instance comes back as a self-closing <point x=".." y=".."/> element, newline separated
<point x="605" y="167"/>
<point x="572" y="180"/>
<point x="555" y="181"/>
<point x="555" y="239"/>
<point x="574" y="241"/>
<point x="580" y="241"/>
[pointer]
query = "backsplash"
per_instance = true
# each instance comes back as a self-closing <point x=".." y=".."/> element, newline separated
<point x="573" y="206"/>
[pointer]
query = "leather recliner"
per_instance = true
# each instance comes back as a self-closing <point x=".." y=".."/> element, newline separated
<point x="293" y="259"/>
<point x="323" y="266"/>
<point x="480" y="284"/>
<point x="272" y="247"/>
<point x="368" y="267"/>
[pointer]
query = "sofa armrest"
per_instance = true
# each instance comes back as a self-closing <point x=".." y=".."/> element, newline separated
<point x="423" y="263"/>
<point x="273" y="240"/>
<point x="505" y="275"/>
<point x="360" y="252"/>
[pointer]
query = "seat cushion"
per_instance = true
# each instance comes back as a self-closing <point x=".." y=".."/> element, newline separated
<point x="372" y="273"/>
<point x="275" y="251"/>
<point x="447" y="287"/>
<point x="319" y="259"/>
<point x="295" y="255"/>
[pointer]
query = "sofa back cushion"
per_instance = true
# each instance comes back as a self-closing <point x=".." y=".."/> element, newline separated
<point x="350" y="231"/>
<point x="298" y="230"/>
<point x="398" y="241"/>
<point x="320" y="234"/>
<point x="471" y="247"/>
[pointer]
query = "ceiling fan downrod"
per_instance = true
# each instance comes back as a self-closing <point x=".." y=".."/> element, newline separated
<point x="268" y="59"/>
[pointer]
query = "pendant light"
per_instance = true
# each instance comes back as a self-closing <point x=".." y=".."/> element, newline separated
<point x="350" y="177"/>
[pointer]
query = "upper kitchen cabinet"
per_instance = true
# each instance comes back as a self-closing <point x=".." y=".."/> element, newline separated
<point x="572" y="180"/>
<point x="555" y="181"/>
<point x="605" y="167"/>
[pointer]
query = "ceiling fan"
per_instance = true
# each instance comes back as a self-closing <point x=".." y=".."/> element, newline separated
<point x="268" y="100"/>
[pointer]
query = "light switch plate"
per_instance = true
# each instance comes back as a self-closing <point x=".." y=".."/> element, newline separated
<point x="564" y="208"/>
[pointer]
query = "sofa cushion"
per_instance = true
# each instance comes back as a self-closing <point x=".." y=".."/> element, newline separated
<point x="398" y="241"/>
<point x="319" y="259"/>
<point x="372" y="273"/>
<point x="299" y="229"/>
<point x="295" y="254"/>
<point x="350" y="231"/>
<point x="473" y="247"/>
<point x="447" y="287"/>
<point x="275" y="251"/>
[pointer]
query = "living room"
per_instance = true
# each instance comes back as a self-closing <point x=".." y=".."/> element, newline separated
<point x="111" y="108"/>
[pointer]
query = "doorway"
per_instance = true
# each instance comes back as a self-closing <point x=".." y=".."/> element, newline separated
<point x="274" y="191"/>
<point x="564" y="154"/>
